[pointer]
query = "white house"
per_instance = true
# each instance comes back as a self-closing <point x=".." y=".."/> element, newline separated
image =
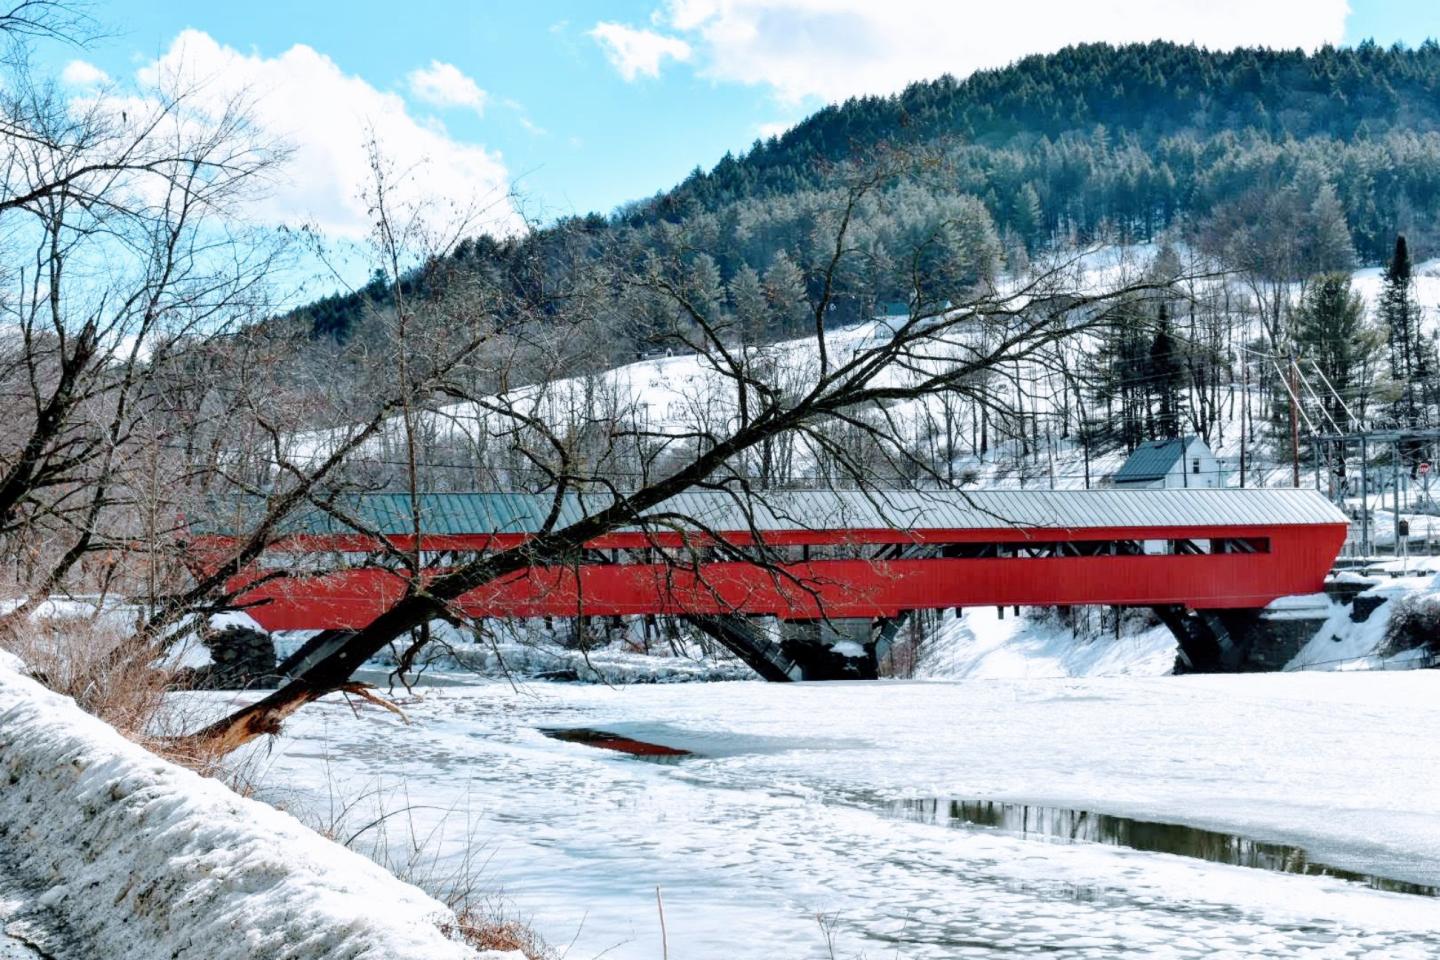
<point x="1178" y="462"/>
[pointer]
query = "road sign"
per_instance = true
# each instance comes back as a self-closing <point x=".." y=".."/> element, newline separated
<point x="1425" y="466"/>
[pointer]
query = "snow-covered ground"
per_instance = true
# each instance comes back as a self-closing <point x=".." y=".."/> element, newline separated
<point x="786" y="812"/>
<point x="984" y="645"/>
<point x="138" y="858"/>
<point x="1340" y="643"/>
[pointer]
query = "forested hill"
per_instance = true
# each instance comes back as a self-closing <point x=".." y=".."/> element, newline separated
<point x="1130" y="140"/>
<point x="1171" y="126"/>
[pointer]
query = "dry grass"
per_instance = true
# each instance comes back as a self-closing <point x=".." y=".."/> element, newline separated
<point x="484" y="919"/>
<point x="381" y="822"/>
<point x="105" y="669"/>
<point x="487" y="926"/>
<point x="122" y="680"/>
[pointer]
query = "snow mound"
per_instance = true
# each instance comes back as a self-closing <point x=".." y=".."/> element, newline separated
<point x="11" y="663"/>
<point x="1306" y="606"/>
<point x="142" y="858"/>
<point x="985" y="645"/>
<point x="1342" y="644"/>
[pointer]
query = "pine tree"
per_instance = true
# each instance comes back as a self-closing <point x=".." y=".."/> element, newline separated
<point x="1399" y="314"/>
<point x="1119" y="373"/>
<point x="1165" y="373"/>
<point x="705" y="288"/>
<point x="785" y="289"/>
<point x="747" y="299"/>
<point x="1028" y="219"/>
<point x="1326" y="244"/>
<point x="1331" y="331"/>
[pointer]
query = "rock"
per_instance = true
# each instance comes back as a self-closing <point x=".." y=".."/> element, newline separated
<point x="1362" y="607"/>
<point x="242" y="659"/>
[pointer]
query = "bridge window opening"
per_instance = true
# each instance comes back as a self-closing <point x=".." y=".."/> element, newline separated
<point x="1105" y="548"/>
<point x="1241" y="545"/>
<point x="326" y="560"/>
<point x="446" y="558"/>
<point x="973" y="551"/>
<point x="837" y="551"/>
<point x="329" y="560"/>
<point x="890" y="551"/>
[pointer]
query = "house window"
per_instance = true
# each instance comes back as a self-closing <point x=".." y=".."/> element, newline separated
<point x="1195" y="465"/>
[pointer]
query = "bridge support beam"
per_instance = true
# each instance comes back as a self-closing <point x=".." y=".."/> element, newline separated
<point x="750" y="642"/>
<point x="312" y="651"/>
<point x="1201" y="648"/>
<point x="1236" y="641"/>
<point x="803" y="650"/>
<point x="885" y="631"/>
<point x="830" y="649"/>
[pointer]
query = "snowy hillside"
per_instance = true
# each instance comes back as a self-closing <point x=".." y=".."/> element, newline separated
<point x="683" y="393"/>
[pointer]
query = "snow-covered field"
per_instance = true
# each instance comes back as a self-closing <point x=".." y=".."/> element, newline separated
<point x="786" y="812"/>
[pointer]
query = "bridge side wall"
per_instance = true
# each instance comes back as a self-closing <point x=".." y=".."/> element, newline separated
<point x="1296" y="563"/>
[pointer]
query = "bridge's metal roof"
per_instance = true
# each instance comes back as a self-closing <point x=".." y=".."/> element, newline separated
<point x="1003" y="509"/>
<point x="800" y="510"/>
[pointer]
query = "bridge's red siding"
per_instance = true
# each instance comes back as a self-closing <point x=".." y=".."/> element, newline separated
<point x="1297" y="562"/>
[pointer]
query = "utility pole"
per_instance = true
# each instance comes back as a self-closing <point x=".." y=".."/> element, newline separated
<point x="1244" y="410"/>
<point x="1294" y="425"/>
<point x="1395" y="502"/>
<point x="1364" y="496"/>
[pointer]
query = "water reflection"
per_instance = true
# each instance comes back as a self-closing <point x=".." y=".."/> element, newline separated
<point x="1059" y="823"/>
<point x="604" y="740"/>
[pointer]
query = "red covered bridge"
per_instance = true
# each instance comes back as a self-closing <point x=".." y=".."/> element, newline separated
<point x="828" y="555"/>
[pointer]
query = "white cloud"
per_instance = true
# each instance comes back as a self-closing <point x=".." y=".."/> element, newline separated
<point x="82" y="75"/>
<point x="443" y="85"/>
<point x="326" y="116"/>
<point x="775" y="129"/>
<point x="832" y="49"/>
<point x="634" y="52"/>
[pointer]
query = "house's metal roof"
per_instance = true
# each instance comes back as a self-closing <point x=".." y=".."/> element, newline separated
<point x="1152" y="460"/>
<point x="799" y="510"/>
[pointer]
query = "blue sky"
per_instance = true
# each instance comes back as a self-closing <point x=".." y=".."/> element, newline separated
<point x="570" y="129"/>
<point x="584" y="105"/>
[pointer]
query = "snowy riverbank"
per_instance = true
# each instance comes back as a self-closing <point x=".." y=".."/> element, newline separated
<point x="138" y="858"/>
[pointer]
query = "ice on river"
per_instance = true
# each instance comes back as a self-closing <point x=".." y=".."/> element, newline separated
<point x="784" y="814"/>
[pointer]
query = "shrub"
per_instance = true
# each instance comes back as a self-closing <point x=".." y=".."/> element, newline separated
<point x="104" y="668"/>
<point x="1414" y="624"/>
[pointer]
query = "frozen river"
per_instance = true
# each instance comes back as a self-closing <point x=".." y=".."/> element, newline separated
<point x="813" y="820"/>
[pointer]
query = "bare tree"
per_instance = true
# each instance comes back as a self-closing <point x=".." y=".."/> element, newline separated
<point x="47" y="19"/>
<point x="838" y="390"/>
<point x="120" y="225"/>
